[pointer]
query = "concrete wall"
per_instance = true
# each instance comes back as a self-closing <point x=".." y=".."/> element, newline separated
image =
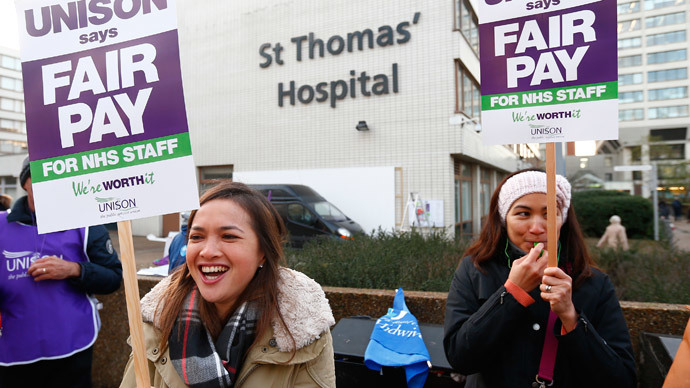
<point x="111" y="350"/>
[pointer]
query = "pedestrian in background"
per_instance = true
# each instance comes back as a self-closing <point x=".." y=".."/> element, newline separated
<point x="664" y="211"/>
<point x="677" y="208"/>
<point x="48" y="316"/>
<point x="615" y="235"/>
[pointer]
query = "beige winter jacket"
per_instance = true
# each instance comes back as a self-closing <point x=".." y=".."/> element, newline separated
<point x="308" y="317"/>
<point x="614" y="237"/>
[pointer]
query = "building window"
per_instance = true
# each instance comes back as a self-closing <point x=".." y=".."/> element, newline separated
<point x="667" y="75"/>
<point x="13" y="84"/>
<point x="10" y="63"/>
<point x="656" y="4"/>
<point x="12" y="105"/>
<point x="467" y="22"/>
<point x="631" y="7"/>
<point x="629" y="79"/>
<point x="668" y="93"/>
<point x="664" y="20"/>
<point x="484" y="193"/>
<point x="463" y="199"/>
<point x="629" y="43"/>
<point x="635" y="153"/>
<point x="637" y="175"/>
<point x="13" y="125"/>
<point x="631" y="60"/>
<point x="608" y="177"/>
<point x="468" y="98"/>
<point x="608" y="161"/>
<point x="629" y="25"/>
<point x="667" y="56"/>
<point x="210" y="176"/>
<point x="10" y="185"/>
<point x="672" y="171"/>
<point x="667" y="112"/>
<point x="630" y="114"/>
<point x="667" y="151"/>
<point x="668" y="134"/>
<point x="628" y="97"/>
<point x="666" y="38"/>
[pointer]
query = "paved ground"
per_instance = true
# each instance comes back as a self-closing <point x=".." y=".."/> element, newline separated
<point x="681" y="234"/>
<point x="145" y="251"/>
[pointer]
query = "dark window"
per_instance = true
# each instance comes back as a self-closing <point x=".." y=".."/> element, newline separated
<point x="667" y="151"/>
<point x="668" y="134"/>
<point x="467" y="94"/>
<point x="636" y="153"/>
<point x="467" y="22"/>
<point x="210" y="176"/>
<point x="671" y="171"/>
<point x="300" y="214"/>
<point x="463" y="199"/>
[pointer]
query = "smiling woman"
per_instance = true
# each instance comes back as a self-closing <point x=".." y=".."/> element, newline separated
<point x="233" y="309"/>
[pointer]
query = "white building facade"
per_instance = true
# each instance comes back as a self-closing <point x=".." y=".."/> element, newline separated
<point x="12" y="122"/>
<point x="654" y="110"/>
<point x="366" y="102"/>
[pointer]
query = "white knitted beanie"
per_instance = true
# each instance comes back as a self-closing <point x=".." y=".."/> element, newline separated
<point x="529" y="182"/>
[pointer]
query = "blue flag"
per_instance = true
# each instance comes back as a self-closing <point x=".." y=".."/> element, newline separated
<point x="397" y="341"/>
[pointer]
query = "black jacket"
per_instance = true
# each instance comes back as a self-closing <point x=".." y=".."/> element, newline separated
<point x="103" y="273"/>
<point x="496" y="342"/>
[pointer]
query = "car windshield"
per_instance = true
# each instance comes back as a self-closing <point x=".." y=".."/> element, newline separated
<point x="329" y="212"/>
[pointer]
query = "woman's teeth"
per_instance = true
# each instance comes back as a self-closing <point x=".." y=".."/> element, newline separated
<point x="213" y="271"/>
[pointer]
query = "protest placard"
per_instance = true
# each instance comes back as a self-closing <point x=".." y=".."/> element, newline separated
<point x="549" y="70"/>
<point x="549" y="73"/>
<point x="106" y="122"/>
<point x="105" y="115"/>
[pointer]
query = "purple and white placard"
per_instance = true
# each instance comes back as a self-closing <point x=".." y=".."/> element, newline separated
<point x="105" y="112"/>
<point x="549" y="70"/>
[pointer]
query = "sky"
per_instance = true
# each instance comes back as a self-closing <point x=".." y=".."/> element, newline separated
<point x="9" y="36"/>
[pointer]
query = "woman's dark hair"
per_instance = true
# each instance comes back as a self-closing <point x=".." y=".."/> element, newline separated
<point x="493" y="236"/>
<point x="263" y="288"/>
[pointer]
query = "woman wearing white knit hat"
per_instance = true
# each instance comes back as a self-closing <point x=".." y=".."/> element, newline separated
<point x="513" y="322"/>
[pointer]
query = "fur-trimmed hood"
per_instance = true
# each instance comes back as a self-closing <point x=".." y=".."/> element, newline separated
<point x="301" y="302"/>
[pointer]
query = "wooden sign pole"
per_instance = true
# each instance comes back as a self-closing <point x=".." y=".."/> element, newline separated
<point x="551" y="224"/>
<point x="136" y="329"/>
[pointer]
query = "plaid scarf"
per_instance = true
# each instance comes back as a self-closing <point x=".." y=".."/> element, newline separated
<point x="201" y="362"/>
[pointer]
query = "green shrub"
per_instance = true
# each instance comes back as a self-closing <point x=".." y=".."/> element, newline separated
<point x="385" y="260"/>
<point x="594" y="208"/>
<point x="654" y="274"/>
<point x="649" y="272"/>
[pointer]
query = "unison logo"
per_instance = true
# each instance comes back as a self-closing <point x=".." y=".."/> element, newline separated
<point x="115" y="204"/>
<point x="82" y="13"/>
<point x="539" y="130"/>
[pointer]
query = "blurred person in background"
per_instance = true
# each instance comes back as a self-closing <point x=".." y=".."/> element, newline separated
<point x="614" y="236"/>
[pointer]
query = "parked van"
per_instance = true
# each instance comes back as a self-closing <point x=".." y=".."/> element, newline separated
<point x="307" y="214"/>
